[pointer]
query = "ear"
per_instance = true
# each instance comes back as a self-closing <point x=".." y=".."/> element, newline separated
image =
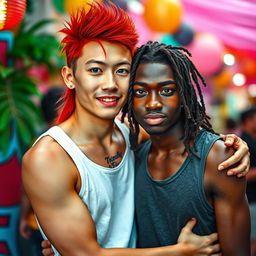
<point x="68" y="77"/>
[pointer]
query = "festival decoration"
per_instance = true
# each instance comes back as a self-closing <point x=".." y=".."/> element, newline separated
<point x="121" y="3"/>
<point x="249" y="68"/>
<point x="145" y="34"/>
<point x="11" y="13"/>
<point x="163" y="15"/>
<point x="72" y="5"/>
<point x="223" y="79"/>
<point x="207" y="53"/>
<point x="169" y="39"/>
<point x="184" y="35"/>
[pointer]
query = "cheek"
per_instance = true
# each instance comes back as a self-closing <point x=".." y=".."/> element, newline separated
<point x="138" y="105"/>
<point x="123" y="84"/>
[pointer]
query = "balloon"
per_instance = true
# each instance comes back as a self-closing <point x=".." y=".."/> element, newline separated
<point x="184" y="35"/>
<point x="121" y="3"/>
<point x="223" y="80"/>
<point x="72" y="5"/>
<point x="163" y="15"/>
<point x="207" y="51"/>
<point x="169" y="39"/>
<point x="145" y="34"/>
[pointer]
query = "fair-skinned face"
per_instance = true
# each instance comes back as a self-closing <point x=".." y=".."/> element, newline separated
<point x="100" y="80"/>
<point x="156" y="100"/>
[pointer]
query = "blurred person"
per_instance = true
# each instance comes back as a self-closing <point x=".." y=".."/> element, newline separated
<point x="85" y="162"/>
<point x="248" y="129"/>
<point x="232" y="126"/>
<point x="28" y="227"/>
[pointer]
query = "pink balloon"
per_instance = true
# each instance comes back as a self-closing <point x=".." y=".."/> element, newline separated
<point x="207" y="51"/>
<point x="145" y="33"/>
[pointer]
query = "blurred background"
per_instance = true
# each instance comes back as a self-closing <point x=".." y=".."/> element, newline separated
<point x="220" y="34"/>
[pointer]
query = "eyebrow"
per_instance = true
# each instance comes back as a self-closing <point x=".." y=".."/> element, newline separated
<point x="160" y="83"/>
<point x="93" y="61"/>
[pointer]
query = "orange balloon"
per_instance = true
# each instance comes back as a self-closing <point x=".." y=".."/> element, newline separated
<point x="73" y="5"/>
<point x="163" y="15"/>
<point x="223" y="80"/>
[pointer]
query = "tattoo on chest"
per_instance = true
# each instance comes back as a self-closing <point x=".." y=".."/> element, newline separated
<point x="112" y="160"/>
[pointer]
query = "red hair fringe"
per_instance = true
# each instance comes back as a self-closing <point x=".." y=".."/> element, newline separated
<point x="102" y="22"/>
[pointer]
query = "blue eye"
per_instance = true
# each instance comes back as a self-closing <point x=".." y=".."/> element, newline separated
<point x="95" y="70"/>
<point x="140" y="93"/>
<point x="123" y="71"/>
<point x="166" y="91"/>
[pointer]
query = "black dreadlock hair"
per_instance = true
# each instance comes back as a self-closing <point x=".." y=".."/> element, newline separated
<point x="187" y="79"/>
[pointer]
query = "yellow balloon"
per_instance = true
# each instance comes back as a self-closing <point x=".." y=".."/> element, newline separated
<point x="72" y="5"/>
<point x="163" y="15"/>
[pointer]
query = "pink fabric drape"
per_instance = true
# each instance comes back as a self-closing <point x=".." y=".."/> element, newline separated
<point x="232" y="21"/>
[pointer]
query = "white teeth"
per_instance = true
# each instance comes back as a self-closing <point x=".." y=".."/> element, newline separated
<point x="108" y="100"/>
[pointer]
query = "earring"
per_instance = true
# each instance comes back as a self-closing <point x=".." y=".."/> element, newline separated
<point x="71" y="86"/>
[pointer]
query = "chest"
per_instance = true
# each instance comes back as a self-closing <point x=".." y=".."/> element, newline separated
<point x="106" y="156"/>
<point x="161" y="167"/>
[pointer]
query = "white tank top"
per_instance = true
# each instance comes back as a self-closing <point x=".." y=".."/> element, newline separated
<point x="107" y="192"/>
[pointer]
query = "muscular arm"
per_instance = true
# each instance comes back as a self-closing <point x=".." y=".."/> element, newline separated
<point x="230" y="204"/>
<point x="50" y="180"/>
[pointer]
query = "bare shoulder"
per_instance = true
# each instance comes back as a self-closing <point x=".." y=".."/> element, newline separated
<point x="46" y="159"/>
<point x="219" y="179"/>
<point x="219" y="152"/>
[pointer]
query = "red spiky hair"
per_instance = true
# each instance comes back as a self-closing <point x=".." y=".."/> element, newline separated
<point x="101" y="22"/>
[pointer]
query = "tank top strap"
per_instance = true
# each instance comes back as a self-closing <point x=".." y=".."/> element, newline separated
<point x="125" y="131"/>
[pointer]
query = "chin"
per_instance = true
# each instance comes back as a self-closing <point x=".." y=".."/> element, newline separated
<point x="154" y="131"/>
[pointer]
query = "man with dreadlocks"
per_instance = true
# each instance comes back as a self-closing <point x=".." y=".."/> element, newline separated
<point x="177" y="173"/>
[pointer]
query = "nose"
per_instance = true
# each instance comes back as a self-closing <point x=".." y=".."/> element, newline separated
<point x="153" y="103"/>
<point x="109" y="83"/>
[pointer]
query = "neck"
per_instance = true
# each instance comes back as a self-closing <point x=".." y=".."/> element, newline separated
<point x="170" y="140"/>
<point x="88" y="128"/>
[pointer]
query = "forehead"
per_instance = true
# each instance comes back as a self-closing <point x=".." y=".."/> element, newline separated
<point x="153" y="72"/>
<point x="113" y="52"/>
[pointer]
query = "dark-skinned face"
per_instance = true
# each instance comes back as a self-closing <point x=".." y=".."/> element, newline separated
<point x="156" y="100"/>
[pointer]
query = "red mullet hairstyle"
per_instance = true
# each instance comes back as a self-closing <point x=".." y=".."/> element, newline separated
<point x="102" y="22"/>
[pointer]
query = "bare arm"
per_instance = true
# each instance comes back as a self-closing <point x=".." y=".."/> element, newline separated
<point x="50" y="180"/>
<point x="251" y="176"/>
<point x="240" y="158"/>
<point x="230" y="204"/>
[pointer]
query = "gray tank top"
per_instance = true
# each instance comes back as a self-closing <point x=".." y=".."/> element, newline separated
<point x="164" y="207"/>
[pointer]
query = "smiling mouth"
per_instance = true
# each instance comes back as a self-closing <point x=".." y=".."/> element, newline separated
<point x="109" y="101"/>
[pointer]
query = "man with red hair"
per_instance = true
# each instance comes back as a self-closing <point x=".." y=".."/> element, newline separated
<point x="79" y="175"/>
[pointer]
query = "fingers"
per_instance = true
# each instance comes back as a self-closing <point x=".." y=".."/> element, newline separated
<point x="240" y="170"/>
<point x="229" y="139"/>
<point x="48" y="252"/>
<point x="212" y="238"/>
<point x="215" y="248"/>
<point x="241" y="155"/>
<point x="190" y="224"/>
<point x="211" y="250"/>
<point x="45" y="244"/>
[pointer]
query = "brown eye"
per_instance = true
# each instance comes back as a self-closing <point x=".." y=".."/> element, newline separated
<point x="140" y="93"/>
<point x="166" y="91"/>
